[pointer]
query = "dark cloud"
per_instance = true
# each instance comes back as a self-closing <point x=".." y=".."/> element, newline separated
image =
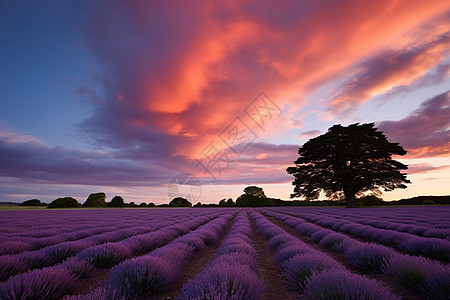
<point x="35" y="162"/>
<point x="426" y="131"/>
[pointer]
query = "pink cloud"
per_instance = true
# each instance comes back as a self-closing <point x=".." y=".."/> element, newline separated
<point x="387" y="71"/>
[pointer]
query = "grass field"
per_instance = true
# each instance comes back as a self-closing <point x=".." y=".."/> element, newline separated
<point x="226" y="253"/>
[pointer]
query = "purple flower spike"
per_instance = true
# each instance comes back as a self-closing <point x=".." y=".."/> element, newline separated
<point x="341" y="284"/>
<point x="48" y="283"/>
<point x="300" y="267"/>
<point x="369" y="257"/>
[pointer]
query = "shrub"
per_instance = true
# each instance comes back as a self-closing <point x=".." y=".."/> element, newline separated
<point x="280" y="240"/>
<point x="105" y="255"/>
<point x="11" y="265"/>
<point x="95" y="200"/>
<point x="49" y="283"/>
<point x="436" y="285"/>
<point x="291" y="250"/>
<point x="142" y="276"/>
<point x="100" y="293"/>
<point x="223" y="281"/>
<point x="341" y="284"/>
<point x="411" y="270"/>
<point x="300" y="267"/>
<point x="368" y="257"/>
<point x="65" y="202"/>
<point x="76" y="267"/>
<point x="332" y="239"/>
<point x="32" y="202"/>
<point x="429" y="247"/>
<point x="180" y="202"/>
<point x="116" y="201"/>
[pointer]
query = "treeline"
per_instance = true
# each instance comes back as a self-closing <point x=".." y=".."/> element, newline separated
<point x="94" y="200"/>
<point x="252" y="197"/>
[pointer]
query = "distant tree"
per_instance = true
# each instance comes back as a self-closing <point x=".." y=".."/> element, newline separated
<point x="180" y="202"/>
<point x="198" y="204"/>
<point x="31" y="202"/>
<point x="230" y="202"/>
<point x="347" y="161"/>
<point x="370" y="200"/>
<point x="253" y="196"/>
<point x="95" y="200"/>
<point x="116" y="201"/>
<point x="223" y="202"/>
<point x="151" y="204"/>
<point x="143" y="204"/>
<point x="65" y="202"/>
<point x="255" y="191"/>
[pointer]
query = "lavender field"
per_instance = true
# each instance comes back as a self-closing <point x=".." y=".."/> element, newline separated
<point x="226" y="253"/>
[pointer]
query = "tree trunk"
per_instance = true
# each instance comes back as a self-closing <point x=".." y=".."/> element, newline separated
<point x="350" y="196"/>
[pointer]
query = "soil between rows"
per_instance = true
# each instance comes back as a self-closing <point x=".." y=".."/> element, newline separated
<point x="269" y="271"/>
<point x="196" y="265"/>
<point x="395" y="287"/>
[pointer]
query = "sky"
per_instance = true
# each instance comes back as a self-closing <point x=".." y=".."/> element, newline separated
<point x="151" y="99"/>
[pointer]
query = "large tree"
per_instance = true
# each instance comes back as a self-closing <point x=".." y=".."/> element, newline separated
<point x="347" y="161"/>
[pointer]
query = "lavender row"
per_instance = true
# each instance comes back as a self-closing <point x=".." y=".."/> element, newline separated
<point x="156" y="271"/>
<point x="423" y="275"/>
<point x="314" y="273"/>
<point x="433" y="248"/>
<point x="139" y="243"/>
<point x="232" y="272"/>
<point x="14" y="264"/>
<point x="42" y="224"/>
<point x="420" y="230"/>
<point x="24" y="244"/>
<point x="11" y="265"/>
<point x="70" y="224"/>
<point x="431" y="217"/>
<point x="54" y="282"/>
<point x="425" y="217"/>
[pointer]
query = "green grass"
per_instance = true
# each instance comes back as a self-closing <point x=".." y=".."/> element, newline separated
<point x="21" y="207"/>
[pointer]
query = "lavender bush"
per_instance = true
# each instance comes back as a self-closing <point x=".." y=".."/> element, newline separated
<point x="341" y="284"/>
<point x="48" y="283"/>
<point x="299" y="268"/>
<point x="369" y="257"/>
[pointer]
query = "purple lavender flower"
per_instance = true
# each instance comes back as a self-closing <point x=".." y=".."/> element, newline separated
<point x="49" y="283"/>
<point x="142" y="276"/>
<point x="223" y="281"/>
<point x="105" y="255"/>
<point x="300" y="267"/>
<point x="331" y="239"/>
<point x="429" y="247"/>
<point x="436" y="284"/>
<point x="369" y="256"/>
<point x="341" y="284"/>
<point x="11" y="265"/>
<point x="291" y="250"/>
<point x="101" y="293"/>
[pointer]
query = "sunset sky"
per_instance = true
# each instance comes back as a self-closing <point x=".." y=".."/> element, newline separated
<point x="121" y="96"/>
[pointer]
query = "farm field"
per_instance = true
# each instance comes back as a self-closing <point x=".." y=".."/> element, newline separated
<point x="226" y="253"/>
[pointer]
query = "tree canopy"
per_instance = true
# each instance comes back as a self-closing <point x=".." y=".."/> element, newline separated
<point x="253" y="196"/>
<point x="347" y="162"/>
<point x="64" y="202"/>
<point x="95" y="200"/>
<point x="31" y="202"/>
<point x="180" y="202"/>
<point x="116" y="201"/>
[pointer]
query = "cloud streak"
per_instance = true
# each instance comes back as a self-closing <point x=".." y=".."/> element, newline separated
<point x="426" y="131"/>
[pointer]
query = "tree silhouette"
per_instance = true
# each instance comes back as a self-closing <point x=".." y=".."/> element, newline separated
<point x="253" y="196"/>
<point x="347" y="161"/>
